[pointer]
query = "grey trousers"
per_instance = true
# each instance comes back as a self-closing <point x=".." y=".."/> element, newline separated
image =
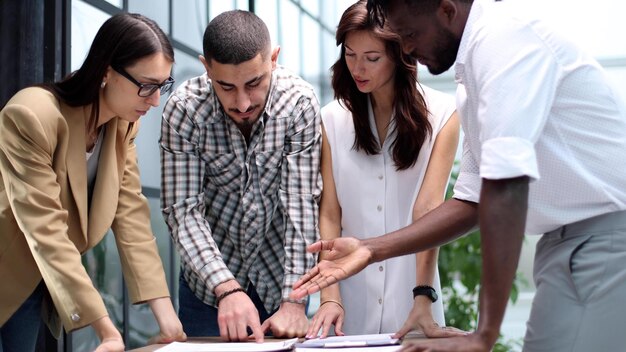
<point x="580" y="275"/>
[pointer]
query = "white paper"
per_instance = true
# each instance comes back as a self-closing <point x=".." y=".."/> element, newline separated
<point x="229" y="346"/>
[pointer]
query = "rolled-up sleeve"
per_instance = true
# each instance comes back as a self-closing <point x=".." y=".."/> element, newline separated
<point x="508" y="157"/>
<point x="513" y="88"/>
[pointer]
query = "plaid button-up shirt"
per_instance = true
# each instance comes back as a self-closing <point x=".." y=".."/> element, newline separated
<point x="238" y="210"/>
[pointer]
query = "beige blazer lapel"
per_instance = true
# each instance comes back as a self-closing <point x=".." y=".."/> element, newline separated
<point x="77" y="168"/>
<point x="105" y="193"/>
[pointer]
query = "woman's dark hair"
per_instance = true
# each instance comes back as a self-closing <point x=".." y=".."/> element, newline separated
<point x="410" y="112"/>
<point x="123" y="39"/>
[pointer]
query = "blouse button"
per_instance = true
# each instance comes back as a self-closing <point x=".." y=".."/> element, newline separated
<point x="75" y="317"/>
<point x="380" y="301"/>
<point x="380" y="268"/>
<point x="379" y="208"/>
<point x="380" y="177"/>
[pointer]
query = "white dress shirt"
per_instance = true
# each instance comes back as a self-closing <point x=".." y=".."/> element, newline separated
<point x="376" y="199"/>
<point x="533" y="103"/>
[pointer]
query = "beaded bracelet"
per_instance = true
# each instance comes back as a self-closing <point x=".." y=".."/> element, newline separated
<point x="336" y="302"/>
<point x="224" y="294"/>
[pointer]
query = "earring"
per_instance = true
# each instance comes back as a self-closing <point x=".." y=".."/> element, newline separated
<point x="103" y="84"/>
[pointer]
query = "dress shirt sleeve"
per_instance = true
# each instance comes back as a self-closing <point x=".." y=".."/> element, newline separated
<point x="182" y="197"/>
<point x="139" y="255"/>
<point x="27" y="147"/>
<point x="468" y="183"/>
<point x="516" y="85"/>
<point x="300" y="189"/>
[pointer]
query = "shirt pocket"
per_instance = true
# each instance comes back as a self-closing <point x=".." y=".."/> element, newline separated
<point x="224" y="172"/>
<point x="269" y="164"/>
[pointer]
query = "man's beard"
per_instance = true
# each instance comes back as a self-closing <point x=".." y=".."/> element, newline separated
<point x="445" y="52"/>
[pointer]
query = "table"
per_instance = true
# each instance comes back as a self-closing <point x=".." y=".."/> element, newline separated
<point x="152" y="348"/>
<point x="412" y="336"/>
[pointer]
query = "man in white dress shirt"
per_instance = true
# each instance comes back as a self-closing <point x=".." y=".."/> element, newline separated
<point x="545" y="134"/>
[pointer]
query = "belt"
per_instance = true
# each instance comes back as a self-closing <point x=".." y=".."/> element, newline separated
<point x="601" y="223"/>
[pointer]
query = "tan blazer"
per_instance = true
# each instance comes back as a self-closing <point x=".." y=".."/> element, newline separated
<point x="45" y="224"/>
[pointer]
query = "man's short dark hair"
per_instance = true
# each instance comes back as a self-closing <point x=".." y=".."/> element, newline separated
<point x="234" y="37"/>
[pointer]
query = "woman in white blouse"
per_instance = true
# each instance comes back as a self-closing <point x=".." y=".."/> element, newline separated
<point x="388" y="148"/>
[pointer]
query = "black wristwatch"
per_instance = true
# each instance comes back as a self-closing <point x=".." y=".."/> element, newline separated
<point x="424" y="290"/>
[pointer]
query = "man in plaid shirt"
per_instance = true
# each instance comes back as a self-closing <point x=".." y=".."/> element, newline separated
<point x="240" y="150"/>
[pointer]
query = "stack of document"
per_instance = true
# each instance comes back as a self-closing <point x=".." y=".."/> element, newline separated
<point x="353" y="343"/>
<point x="356" y="343"/>
<point x="286" y="345"/>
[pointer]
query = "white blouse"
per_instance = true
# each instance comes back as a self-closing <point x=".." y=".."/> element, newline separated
<point x="93" y="157"/>
<point x="376" y="199"/>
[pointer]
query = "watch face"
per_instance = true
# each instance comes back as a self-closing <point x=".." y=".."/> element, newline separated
<point x="433" y="295"/>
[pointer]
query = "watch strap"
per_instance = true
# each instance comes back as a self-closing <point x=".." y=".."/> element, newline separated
<point x="425" y="290"/>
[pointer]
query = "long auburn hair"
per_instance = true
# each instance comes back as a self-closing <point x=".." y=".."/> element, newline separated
<point x="410" y="112"/>
<point x="121" y="41"/>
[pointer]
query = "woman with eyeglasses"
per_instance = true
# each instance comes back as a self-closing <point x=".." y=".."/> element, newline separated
<point x="68" y="171"/>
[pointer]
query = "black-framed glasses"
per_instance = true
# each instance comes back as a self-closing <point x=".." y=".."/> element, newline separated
<point x="147" y="89"/>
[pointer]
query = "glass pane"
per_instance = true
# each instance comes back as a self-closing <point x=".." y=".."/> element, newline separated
<point x="118" y="3"/>
<point x="186" y="67"/>
<point x="190" y="20"/>
<point x="147" y="142"/>
<point x="332" y="10"/>
<point x="289" y="32"/>
<point x="267" y="11"/>
<point x="311" y="69"/>
<point x="157" y="10"/>
<point x="217" y="7"/>
<point x="330" y="55"/>
<point x="242" y="4"/>
<point x="312" y="7"/>
<point x="86" y="20"/>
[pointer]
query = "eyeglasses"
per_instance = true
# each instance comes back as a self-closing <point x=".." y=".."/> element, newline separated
<point x="146" y="90"/>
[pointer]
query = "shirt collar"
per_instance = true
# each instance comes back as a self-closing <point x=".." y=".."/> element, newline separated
<point x="475" y="13"/>
<point x="206" y="86"/>
<point x="270" y="95"/>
